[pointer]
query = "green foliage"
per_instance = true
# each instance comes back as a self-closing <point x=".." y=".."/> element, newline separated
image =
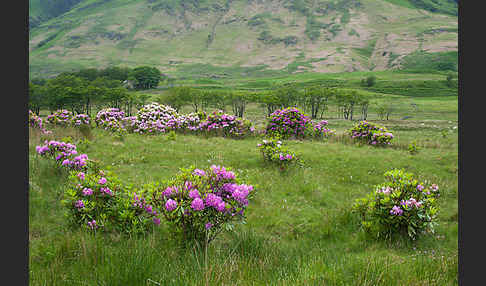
<point x="273" y="151"/>
<point x="200" y="204"/>
<point x="371" y="133"/>
<point x="423" y="61"/>
<point x="400" y="206"/>
<point x="413" y="148"/>
<point x="98" y="201"/>
<point x="145" y="77"/>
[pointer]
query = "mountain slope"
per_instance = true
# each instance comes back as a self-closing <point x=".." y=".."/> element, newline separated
<point x="206" y="37"/>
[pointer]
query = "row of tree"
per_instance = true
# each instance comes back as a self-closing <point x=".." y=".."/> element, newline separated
<point x="82" y="90"/>
<point x="313" y="100"/>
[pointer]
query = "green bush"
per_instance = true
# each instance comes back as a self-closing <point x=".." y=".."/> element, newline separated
<point x="96" y="200"/>
<point x="402" y="205"/>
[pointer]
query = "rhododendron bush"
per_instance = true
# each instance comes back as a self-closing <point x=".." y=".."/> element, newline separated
<point x="37" y="122"/>
<point x="64" y="154"/>
<point x="288" y="122"/>
<point x="402" y="205"/>
<point x="97" y="201"/>
<point x="61" y="117"/>
<point x="201" y="203"/>
<point x="273" y="151"/>
<point x="371" y="133"/>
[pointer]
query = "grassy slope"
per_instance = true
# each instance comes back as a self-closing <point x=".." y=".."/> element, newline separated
<point x="156" y="38"/>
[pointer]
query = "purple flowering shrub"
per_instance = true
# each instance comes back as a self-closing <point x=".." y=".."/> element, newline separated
<point x="273" y="151"/>
<point x="402" y="205"/>
<point x="61" y="117"/>
<point x="226" y="125"/>
<point x="155" y="118"/>
<point x="287" y="123"/>
<point x="64" y="154"/>
<point x="201" y="203"/>
<point x="80" y="120"/>
<point x="371" y="133"/>
<point x="319" y="130"/>
<point x="110" y="119"/>
<point x="96" y="200"/>
<point x="37" y="123"/>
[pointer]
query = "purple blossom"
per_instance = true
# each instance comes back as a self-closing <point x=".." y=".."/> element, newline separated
<point x="198" y="172"/>
<point x="102" y="181"/>
<point x="197" y="204"/>
<point x="87" y="192"/>
<point x="208" y="225"/>
<point x="170" y="205"/>
<point x="79" y="204"/>
<point x="396" y="210"/>
<point x="193" y="194"/>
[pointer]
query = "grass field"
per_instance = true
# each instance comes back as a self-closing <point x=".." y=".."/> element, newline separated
<point x="300" y="229"/>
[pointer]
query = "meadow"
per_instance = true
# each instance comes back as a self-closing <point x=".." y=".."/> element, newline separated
<point x="300" y="228"/>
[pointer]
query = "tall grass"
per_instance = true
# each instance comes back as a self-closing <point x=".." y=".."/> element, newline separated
<point x="300" y="229"/>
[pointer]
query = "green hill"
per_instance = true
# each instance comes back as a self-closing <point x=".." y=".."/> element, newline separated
<point x="215" y="38"/>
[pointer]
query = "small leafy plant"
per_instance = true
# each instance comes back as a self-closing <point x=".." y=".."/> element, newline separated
<point x="273" y="151"/>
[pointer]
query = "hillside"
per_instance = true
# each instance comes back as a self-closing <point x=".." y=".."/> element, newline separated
<point x="208" y="38"/>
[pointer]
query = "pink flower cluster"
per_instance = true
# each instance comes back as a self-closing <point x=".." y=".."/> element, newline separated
<point x="61" y="117"/>
<point x="81" y="119"/>
<point x="36" y="122"/>
<point x="64" y="153"/>
<point x="288" y="122"/>
<point x="371" y="133"/>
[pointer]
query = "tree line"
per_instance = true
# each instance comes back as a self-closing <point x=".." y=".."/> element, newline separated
<point x="313" y="100"/>
<point x="79" y="91"/>
<point x="82" y="90"/>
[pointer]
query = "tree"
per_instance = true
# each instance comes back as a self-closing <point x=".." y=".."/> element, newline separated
<point x="239" y="102"/>
<point x="36" y="97"/>
<point x="369" y="81"/>
<point x="145" y="77"/>
<point x="177" y="97"/>
<point x="316" y="98"/>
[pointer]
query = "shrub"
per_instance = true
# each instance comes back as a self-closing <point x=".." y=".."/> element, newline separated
<point x="288" y="122"/>
<point x="36" y="122"/>
<point x="110" y="119"/>
<point x="97" y="201"/>
<point x="413" y="148"/>
<point x="319" y="130"/>
<point x="273" y="151"/>
<point x="80" y="120"/>
<point x="402" y="205"/>
<point x="155" y="118"/>
<point x="226" y="125"/>
<point x="371" y="133"/>
<point x="202" y="203"/>
<point x="64" y="154"/>
<point x="61" y="117"/>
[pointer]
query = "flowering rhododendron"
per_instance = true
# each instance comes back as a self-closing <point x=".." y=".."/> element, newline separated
<point x="401" y="205"/>
<point x="226" y="125"/>
<point x="107" y="207"/>
<point x="319" y="130"/>
<point x="64" y="154"/>
<point x="287" y="123"/>
<point x="371" y="133"/>
<point x="273" y="151"/>
<point x="81" y="119"/>
<point x="61" y="117"/>
<point x="37" y="122"/>
<point x="200" y="203"/>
